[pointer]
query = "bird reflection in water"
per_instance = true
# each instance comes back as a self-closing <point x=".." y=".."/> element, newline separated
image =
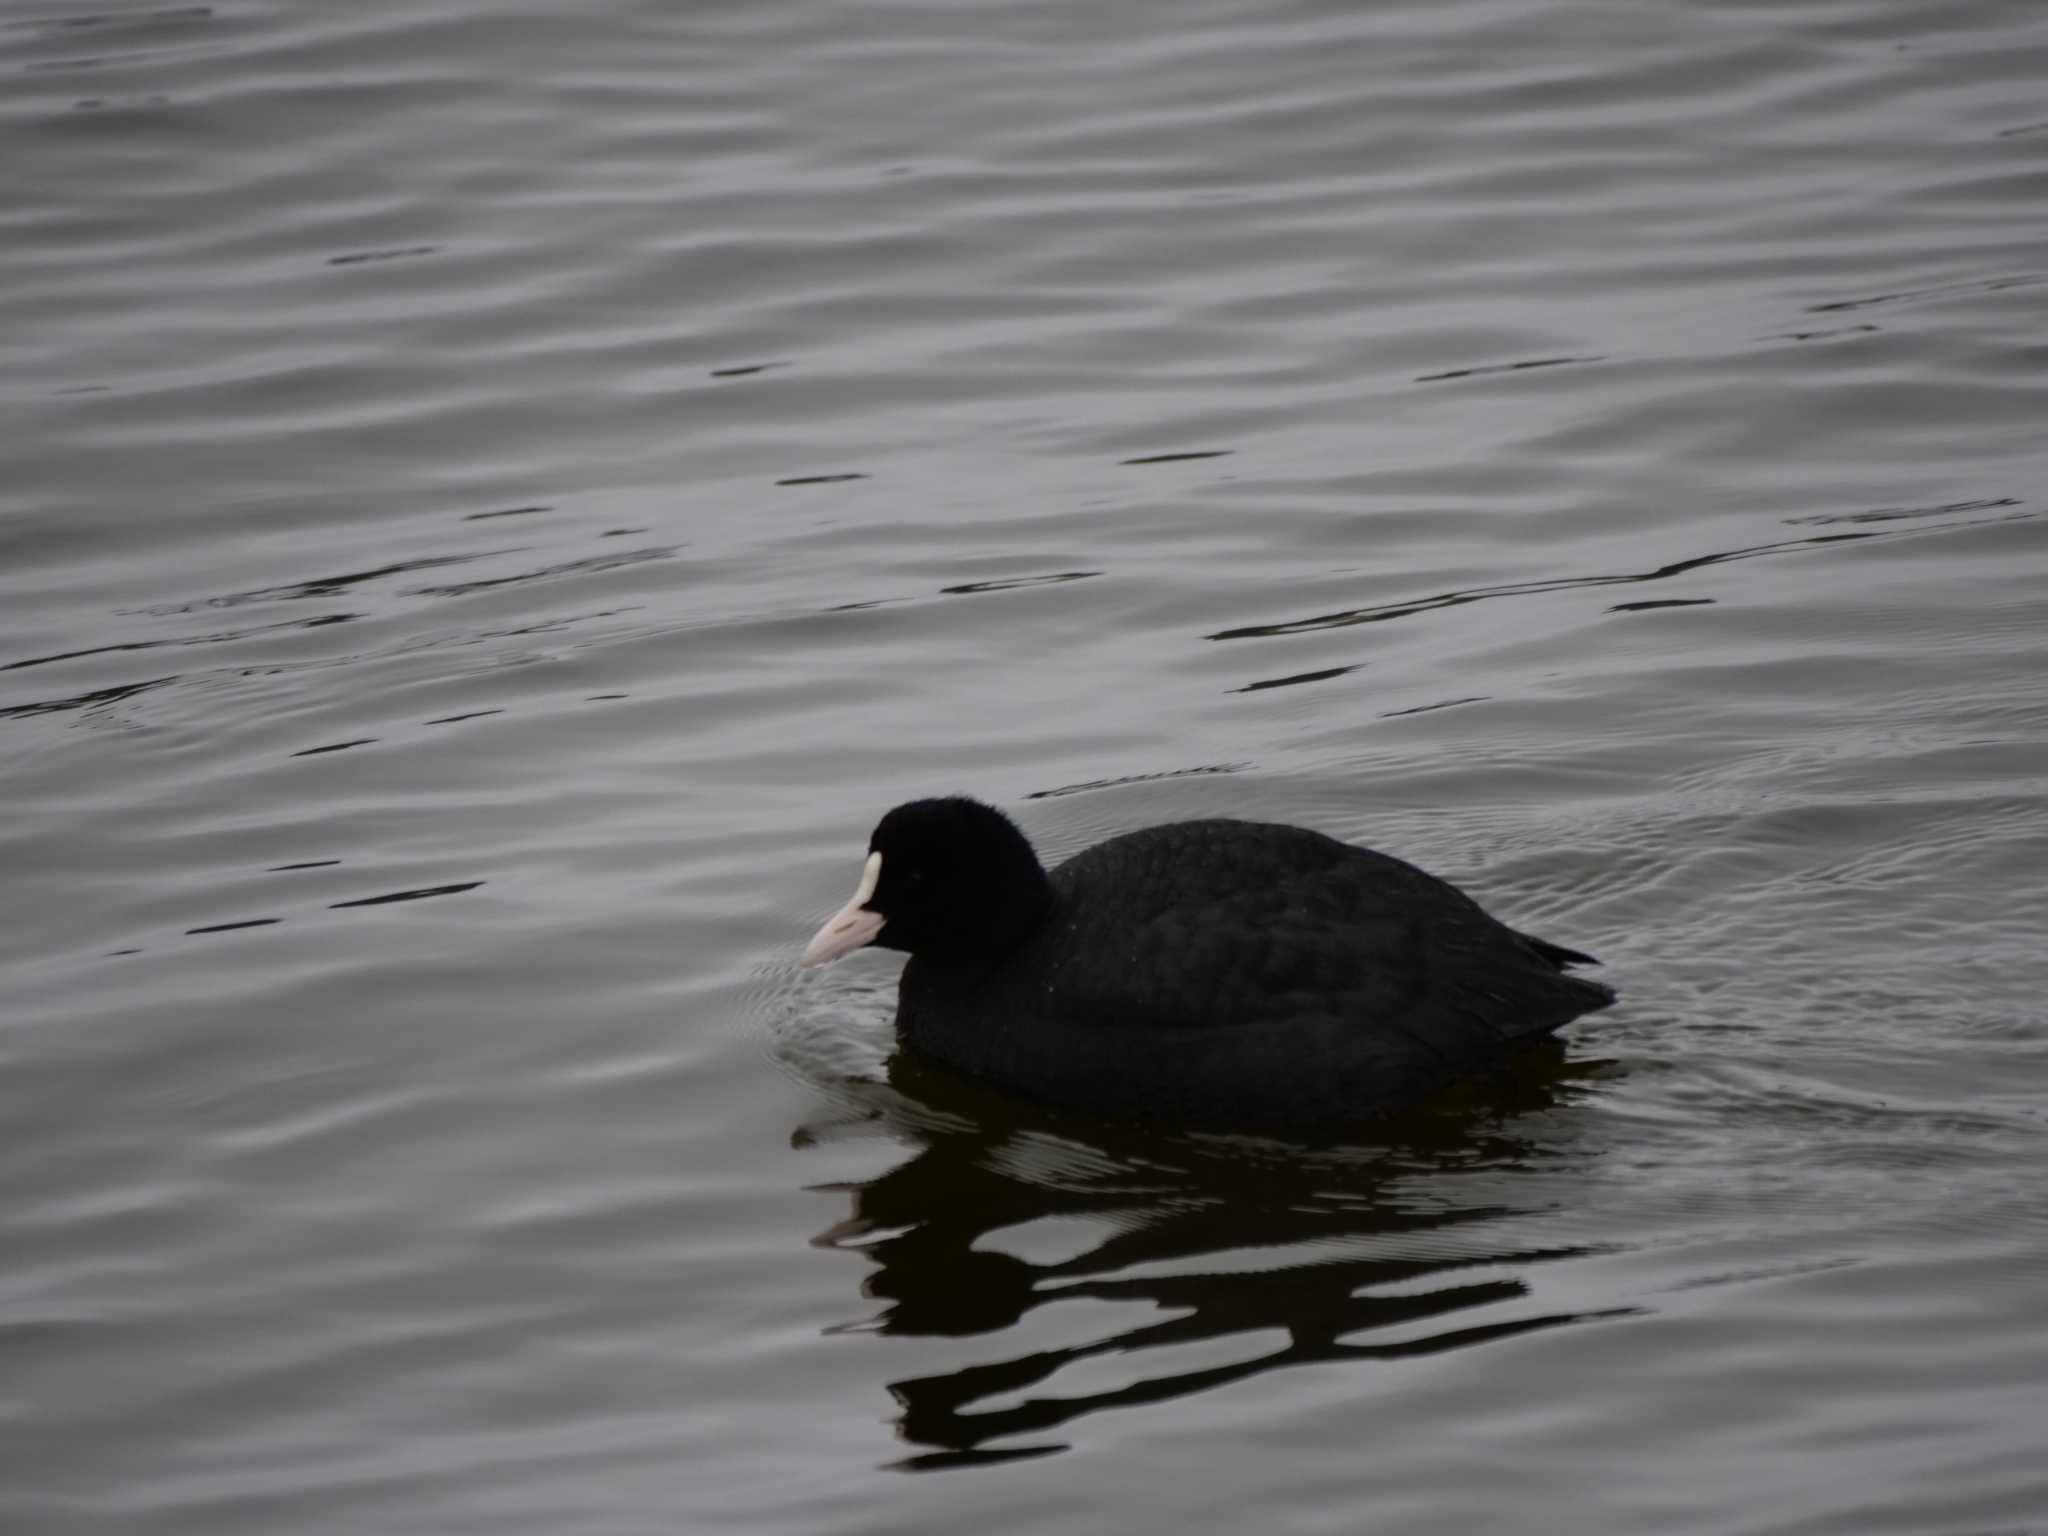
<point x="1386" y="1249"/>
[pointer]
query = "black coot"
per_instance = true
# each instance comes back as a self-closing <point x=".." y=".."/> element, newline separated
<point x="1218" y="973"/>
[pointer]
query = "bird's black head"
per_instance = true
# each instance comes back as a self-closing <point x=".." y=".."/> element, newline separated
<point x="951" y="881"/>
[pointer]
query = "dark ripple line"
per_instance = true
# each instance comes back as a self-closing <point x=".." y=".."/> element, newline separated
<point x="250" y="922"/>
<point x="480" y="517"/>
<point x="821" y="479"/>
<point x="866" y="603"/>
<point x="552" y="626"/>
<point x="1013" y="583"/>
<point x="83" y="700"/>
<point x="92" y="650"/>
<point x="1349" y="616"/>
<point x="420" y="893"/>
<point x="1135" y="778"/>
<point x="152" y="645"/>
<point x="1894" y="514"/>
<point x="1179" y="458"/>
<point x="336" y="746"/>
<point x="1424" y="709"/>
<point x="316" y="586"/>
<point x="1486" y="368"/>
<point x="585" y="567"/>
<point x="1937" y="291"/>
<point x="1839" y="330"/>
<point x="1322" y="675"/>
<point x="393" y="253"/>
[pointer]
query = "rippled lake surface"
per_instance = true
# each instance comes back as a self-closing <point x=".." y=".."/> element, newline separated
<point x="496" y="499"/>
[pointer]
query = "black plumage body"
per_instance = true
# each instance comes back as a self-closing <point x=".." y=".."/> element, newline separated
<point x="1220" y="973"/>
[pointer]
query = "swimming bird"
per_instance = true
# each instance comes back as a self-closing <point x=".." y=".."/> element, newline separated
<point x="1206" y="973"/>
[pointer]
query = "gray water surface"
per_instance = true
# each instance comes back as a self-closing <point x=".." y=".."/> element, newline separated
<point x="496" y="499"/>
